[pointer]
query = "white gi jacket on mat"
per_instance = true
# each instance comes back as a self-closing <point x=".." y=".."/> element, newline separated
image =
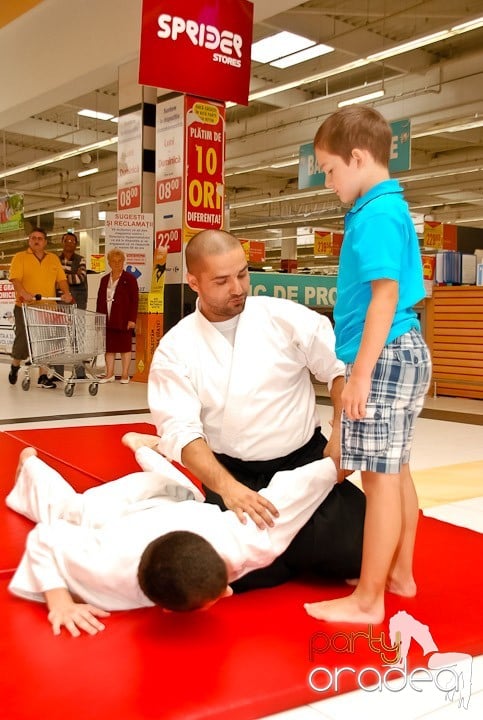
<point x="253" y="400"/>
<point x="91" y="543"/>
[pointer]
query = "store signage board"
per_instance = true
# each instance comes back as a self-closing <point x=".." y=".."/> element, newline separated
<point x="310" y="174"/>
<point x="133" y="234"/>
<point x="198" y="47"/>
<point x="129" y="162"/>
<point x="310" y="290"/>
<point x="205" y="155"/>
<point x="7" y="302"/>
<point x="170" y="162"/>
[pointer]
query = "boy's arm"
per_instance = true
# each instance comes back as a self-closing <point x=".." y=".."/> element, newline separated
<point x="74" y="616"/>
<point x="297" y="493"/>
<point x="380" y="314"/>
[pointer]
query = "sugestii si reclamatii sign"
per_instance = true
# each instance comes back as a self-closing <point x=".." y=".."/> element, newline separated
<point x="198" y="47"/>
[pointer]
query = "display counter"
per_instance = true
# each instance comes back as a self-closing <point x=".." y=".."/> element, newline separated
<point x="454" y="333"/>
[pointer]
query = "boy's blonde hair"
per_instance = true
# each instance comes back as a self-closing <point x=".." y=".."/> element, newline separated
<point x="355" y="126"/>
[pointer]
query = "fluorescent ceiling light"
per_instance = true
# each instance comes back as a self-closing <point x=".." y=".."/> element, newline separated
<point x="275" y="89"/>
<point x="361" y="98"/>
<point x="114" y="119"/>
<point x="302" y="56"/>
<point x="95" y="114"/>
<point x="46" y="211"/>
<point x="279" y="45"/>
<point x="470" y="219"/>
<point x="68" y="215"/>
<point x="410" y="45"/>
<point x="285" y="163"/>
<point x="454" y="127"/>
<point x="466" y="26"/>
<point x="90" y="171"/>
<point x="58" y="158"/>
<point x="375" y="57"/>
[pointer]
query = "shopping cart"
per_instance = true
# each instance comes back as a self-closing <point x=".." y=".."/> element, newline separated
<point x="61" y="334"/>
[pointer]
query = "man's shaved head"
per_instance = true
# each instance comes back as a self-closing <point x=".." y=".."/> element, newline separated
<point x="206" y="243"/>
<point x="217" y="271"/>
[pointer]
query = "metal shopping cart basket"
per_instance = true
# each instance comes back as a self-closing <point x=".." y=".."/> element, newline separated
<point x="60" y="334"/>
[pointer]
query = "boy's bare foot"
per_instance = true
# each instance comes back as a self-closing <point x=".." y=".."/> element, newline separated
<point x="24" y="454"/>
<point x="352" y="581"/>
<point x="405" y="588"/>
<point x="346" y="609"/>
<point x="134" y="441"/>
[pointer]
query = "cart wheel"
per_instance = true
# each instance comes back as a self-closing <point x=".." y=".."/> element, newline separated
<point x="69" y="389"/>
<point x="93" y="388"/>
<point x="26" y="383"/>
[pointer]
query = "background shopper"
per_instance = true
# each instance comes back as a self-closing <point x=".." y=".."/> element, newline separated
<point x="34" y="271"/>
<point x="117" y="298"/>
<point x="75" y="269"/>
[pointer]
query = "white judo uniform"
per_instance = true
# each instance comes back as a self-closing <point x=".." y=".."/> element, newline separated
<point x="91" y="543"/>
<point x="252" y="399"/>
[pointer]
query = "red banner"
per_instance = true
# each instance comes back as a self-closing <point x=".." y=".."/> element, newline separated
<point x="198" y="47"/>
<point x="205" y="152"/>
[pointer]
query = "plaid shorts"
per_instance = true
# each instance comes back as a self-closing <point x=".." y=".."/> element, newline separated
<point x="381" y="442"/>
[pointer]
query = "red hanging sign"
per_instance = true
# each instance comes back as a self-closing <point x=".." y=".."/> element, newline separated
<point x="205" y="152"/>
<point x="198" y="47"/>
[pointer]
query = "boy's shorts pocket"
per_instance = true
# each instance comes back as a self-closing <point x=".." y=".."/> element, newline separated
<point x="369" y="435"/>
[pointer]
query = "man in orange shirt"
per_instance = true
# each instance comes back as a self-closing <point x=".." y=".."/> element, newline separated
<point x="34" y="271"/>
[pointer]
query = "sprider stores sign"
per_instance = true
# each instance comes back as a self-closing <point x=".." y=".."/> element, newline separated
<point x="198" y="47"/>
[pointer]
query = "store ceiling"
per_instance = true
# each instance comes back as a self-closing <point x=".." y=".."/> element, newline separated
<point x="436" y="86"/>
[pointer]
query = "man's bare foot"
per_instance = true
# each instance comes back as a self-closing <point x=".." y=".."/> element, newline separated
<point x="134" y="441"/>
<point x="24" y="454"/>
<point x="346" y="609"/>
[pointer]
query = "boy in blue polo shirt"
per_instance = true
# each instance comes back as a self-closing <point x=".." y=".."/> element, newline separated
<point x="378" y="337"/>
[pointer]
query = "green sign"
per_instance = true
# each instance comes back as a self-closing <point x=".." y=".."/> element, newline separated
<point x="401" y="146"/>
<point x="11" y="213"/>
<point x="310" y="174"/>
<point x="311" y="290"/>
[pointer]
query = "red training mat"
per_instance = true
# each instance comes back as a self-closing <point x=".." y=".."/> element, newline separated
<point x="246" y="657"/>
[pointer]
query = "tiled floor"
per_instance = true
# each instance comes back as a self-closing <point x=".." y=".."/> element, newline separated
<point x="438" y="443"/>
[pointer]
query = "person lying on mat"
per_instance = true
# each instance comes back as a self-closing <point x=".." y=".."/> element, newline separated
<point x="230" y="389"/>
<point x="101" y="550"/>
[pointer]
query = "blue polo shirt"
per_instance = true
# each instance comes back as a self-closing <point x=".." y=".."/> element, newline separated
<point x="380" y="242"/>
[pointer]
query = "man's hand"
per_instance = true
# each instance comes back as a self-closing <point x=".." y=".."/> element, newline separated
<point x="242" y="500"/>
<point x="63" y="611"/>
<point x="67" y="298"/>
<point x="332" y="450"/>
<point x="199" y="459"/>
<point x="26" y="297"/>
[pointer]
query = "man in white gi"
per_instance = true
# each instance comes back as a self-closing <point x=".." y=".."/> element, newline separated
<point x="82" y="557"/>
<point x="231" y="395"/>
